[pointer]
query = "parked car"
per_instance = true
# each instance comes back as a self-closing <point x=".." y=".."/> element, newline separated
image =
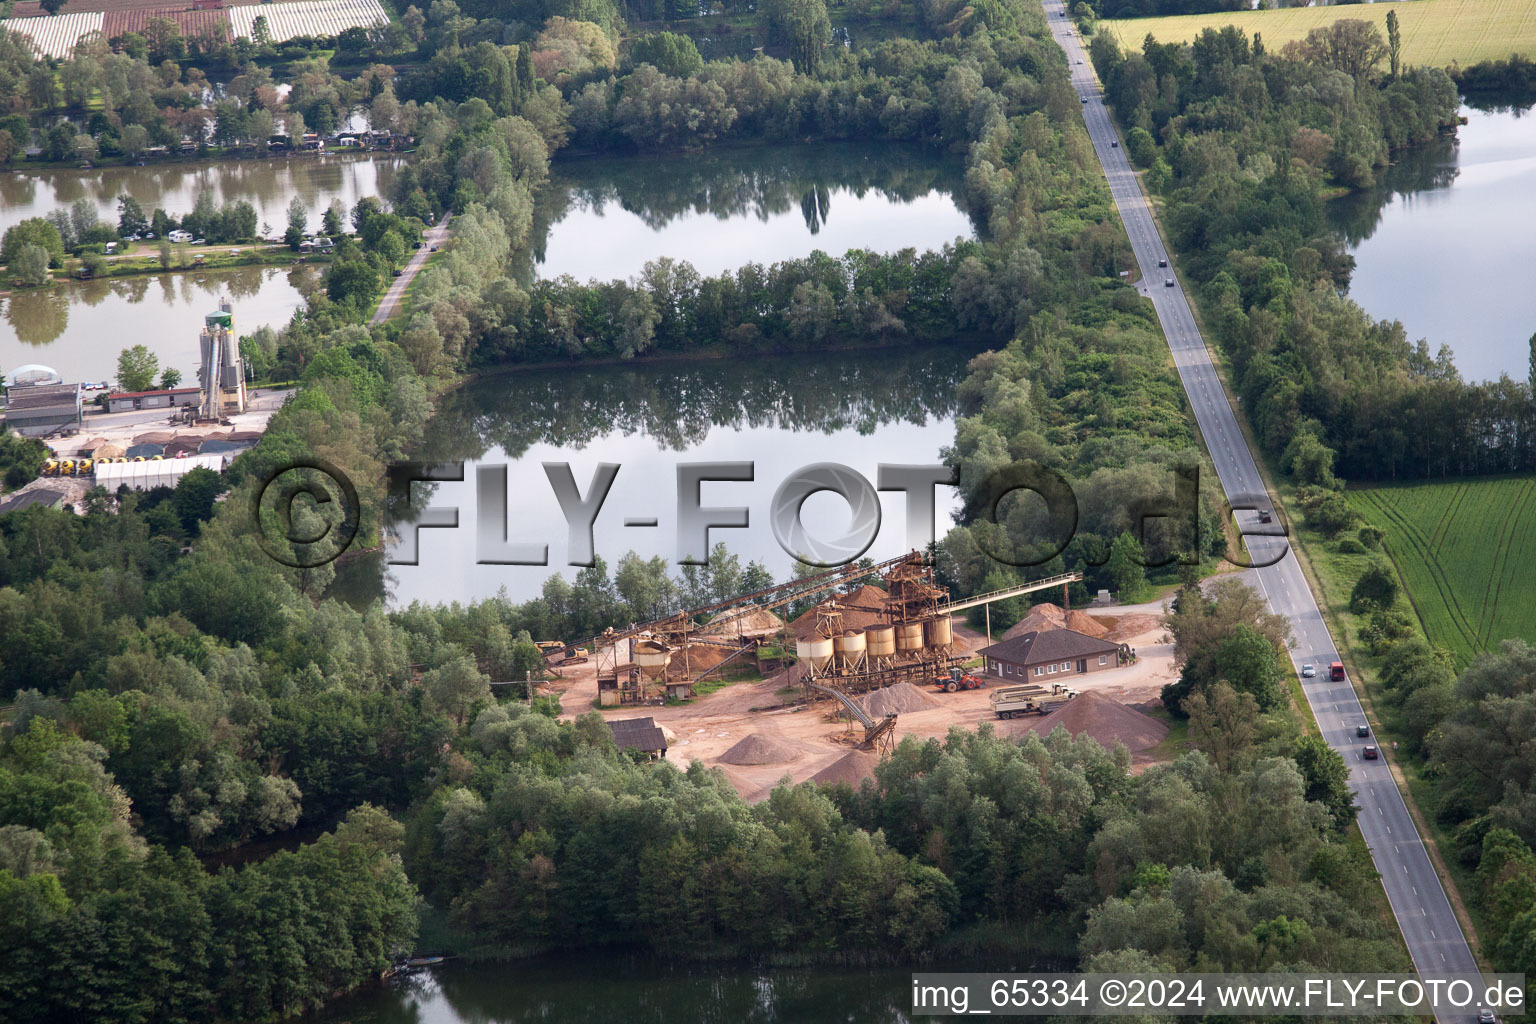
<point x="1308" y="671"/>
<point x="1362" y="730"/>
<point x="1369" y="753"/>
<point x="415" y="245"/>
<point x="199" y="241"/>
<point x="399" y="272"/>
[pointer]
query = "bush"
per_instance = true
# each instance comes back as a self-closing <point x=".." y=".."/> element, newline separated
<point x="1350" y="546"/>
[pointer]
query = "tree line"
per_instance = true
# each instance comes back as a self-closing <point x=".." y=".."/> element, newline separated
<point x="1243" y="143"/>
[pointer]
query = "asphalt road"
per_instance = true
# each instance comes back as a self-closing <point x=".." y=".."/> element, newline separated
<point x="1429" y="926"/>
<point x="433" y="236"/>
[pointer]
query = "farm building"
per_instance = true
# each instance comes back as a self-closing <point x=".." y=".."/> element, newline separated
<point x="641" y="734"/>
<point x="1047" y="653"/>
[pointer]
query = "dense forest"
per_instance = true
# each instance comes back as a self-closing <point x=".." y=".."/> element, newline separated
<point x="182" y="695"/>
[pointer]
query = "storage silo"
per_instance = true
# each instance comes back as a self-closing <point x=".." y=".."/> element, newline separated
<point x="815" y="652"/>
<point x="939" y="631"/>
<point x="880" y="641"/>
<point x="909" y="637"/>
<point x="850" y="648"/>
<point x="652" y="657"/>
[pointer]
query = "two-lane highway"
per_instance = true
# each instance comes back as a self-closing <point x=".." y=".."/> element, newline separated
<point x="1424" y="914"/>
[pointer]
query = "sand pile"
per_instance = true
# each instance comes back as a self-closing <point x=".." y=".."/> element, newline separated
<point x="1105" y="720"/>
<point x="853" y="767"/>
<point x="1124" y="627"/>
<point x="1041" y="616"/>
<point x="760" y="749"/>
<point x="861" y="609"/>
<point x="1082" y="622"/>
<point x="702" y="657"/>
<point x="746" y="622"/>
<point x="899" y="699"/>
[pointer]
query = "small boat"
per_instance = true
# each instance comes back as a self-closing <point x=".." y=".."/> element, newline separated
<point x="418" y="962"/>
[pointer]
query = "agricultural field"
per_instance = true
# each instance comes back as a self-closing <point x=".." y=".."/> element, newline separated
<point x="1435" y="32"/>
<point x="1464" y="551"/>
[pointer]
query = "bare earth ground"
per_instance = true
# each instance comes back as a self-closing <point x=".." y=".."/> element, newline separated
<point x="709" y="726"/>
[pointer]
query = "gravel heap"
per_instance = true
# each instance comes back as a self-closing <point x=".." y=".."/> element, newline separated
<point x="1105" y="720"/>
<point x="900" y="698"/>
<point x="760" y="749"/>
<point x="853" y="767"/>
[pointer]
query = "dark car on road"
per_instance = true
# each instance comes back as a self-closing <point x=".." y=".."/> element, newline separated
<point x="1369" y="753"/>
<point x="1168" y="282"/>
<point x="1162" y="263"/>
<point x="1362" y="730"/>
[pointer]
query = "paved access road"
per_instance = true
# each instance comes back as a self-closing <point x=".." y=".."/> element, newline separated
<point x="1428" y="924"/>
<point x="433" y="236"/>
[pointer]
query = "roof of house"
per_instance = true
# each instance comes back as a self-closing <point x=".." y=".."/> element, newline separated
<point x="36" y="496"/>
<point x="42" y="396"/>
<point x="1046" y="645"/>
<point x="639" y="733"/>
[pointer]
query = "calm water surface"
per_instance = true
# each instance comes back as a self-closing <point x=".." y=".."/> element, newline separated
<point x="859" y="409"/>
<point x="1446" y="244"/>
<point x="268" y="184"/>
<point x="80" y="327"/>
<point x="599" y="988"/>
<point x="605" y="219"/>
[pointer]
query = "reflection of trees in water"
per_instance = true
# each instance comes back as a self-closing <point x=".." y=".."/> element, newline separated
<point x="578" y="991"/>
<point x="814" y="206"/>
<point x="743" y="182"/>
<point x="1425" y="168"/>
<point x="38" y="316"/>
<point x="676" y="404"/>
<point x="267" y="183"/>
<point x="1500" y="103"/>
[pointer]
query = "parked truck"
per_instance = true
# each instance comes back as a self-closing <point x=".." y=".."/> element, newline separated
<point x="1013" y="701"/>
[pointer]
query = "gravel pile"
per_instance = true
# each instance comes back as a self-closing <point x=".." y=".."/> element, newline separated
<point x="760" y="749"/>
<point x="1105" y="720"/>
<point x="853" y="767"/>
<point x="899" y="699"/>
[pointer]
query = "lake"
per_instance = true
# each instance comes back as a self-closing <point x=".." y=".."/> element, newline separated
<point x="858" y="409"/>
<point x="605" y="218"/>
<point x="598" y="987"/>
<point x="79" y="327"/>
<point x="1445" y="245"/>
<point x="268" y="184"/>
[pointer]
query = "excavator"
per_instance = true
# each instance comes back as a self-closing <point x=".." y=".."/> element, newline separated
<point x="957" y="679"/>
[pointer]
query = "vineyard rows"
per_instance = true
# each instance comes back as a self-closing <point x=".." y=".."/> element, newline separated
<point x="307" y="18"/>
<point x="56" y="36"/>
<point x="1464" y="551"/>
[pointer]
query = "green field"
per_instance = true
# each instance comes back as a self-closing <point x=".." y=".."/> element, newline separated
<point x="1435" y="32"/>
<point x="1464" y="551"/>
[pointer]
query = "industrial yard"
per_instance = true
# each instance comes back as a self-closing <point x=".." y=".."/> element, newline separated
<point x="791" y="723"/>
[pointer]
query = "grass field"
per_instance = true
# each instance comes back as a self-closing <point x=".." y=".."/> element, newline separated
<point x="1464" y="551"/>
<point x="1436" y="32"/>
